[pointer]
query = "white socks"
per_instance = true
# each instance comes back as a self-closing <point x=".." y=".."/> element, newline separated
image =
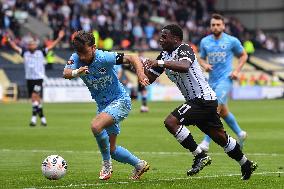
<point x="181" y="133"/>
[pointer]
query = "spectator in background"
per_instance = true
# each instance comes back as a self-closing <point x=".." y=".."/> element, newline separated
<point x="252" y="80"/>
<point x="248" y="46"/>
<point x="263" y="80"/>
<point x="243" y="80"/>
<point x="149" y="30"/>
<point x="137" y="31"/>
<point x="50" y="56"/>
<point x="139" y="19"/>
<point x="260" y="38"/>
<point x="275" y="80"/>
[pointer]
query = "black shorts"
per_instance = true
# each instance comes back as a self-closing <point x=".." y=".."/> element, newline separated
<point x="35" y="86"/>
<point x="199" y="112"/>
<point x="141" y="87"/>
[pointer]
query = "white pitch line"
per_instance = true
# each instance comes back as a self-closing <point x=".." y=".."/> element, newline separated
<point x="147" y="181"/>
<point x="147" y="153"/>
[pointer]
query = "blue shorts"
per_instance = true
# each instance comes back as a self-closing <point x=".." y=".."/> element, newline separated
<point x="222" y="89"/>
<point x="119" y="110"/>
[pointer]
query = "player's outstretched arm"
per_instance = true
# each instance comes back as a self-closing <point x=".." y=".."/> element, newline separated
<point x="137" y="64"/>
<point x="14" y="46"/>
<point x="181" y="66"/>
<point x="152" y="77"/>
<point x="70" y="73"/>
<point x="60" y="36"/>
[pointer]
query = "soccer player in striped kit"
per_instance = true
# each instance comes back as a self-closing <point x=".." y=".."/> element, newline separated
<point x="34" y="62"/>
<point x="181" y="66"/>
<point x="219" y="48"/>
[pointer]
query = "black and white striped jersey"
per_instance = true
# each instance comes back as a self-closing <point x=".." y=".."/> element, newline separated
<point x="34" y="63"/>
<point x="192" y="84"/>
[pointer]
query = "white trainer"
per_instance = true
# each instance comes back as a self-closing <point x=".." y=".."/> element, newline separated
<point x="106" y="170"/>
<point x="144" y="109"/>
<point x="139" y="169"/>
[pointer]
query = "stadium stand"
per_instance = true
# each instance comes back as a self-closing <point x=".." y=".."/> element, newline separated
<point x="134" y="26"/>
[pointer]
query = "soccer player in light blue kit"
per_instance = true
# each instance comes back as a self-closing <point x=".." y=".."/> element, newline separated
<point x="96" y="69"/>
<point x="220" y="48"/>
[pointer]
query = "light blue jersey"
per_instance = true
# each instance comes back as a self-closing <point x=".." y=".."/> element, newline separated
<point x="102" y="80"/>
<point x="104" y="86"/>
<point x="220" y="55"/>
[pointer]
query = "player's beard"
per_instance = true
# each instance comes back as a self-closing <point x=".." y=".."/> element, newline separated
<point x="217" y="34"/>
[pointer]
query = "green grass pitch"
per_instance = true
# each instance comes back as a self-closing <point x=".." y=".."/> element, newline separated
<point x="22" y="149"/>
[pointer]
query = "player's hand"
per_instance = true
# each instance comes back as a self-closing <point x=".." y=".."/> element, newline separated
<point x="150" y="63"/>
<point x="234" y="75"/>
<point x="83" y="70"/>
<point x="143" y="79"/>
<point x="207" y="67"/>
<point x="61" y="34"/>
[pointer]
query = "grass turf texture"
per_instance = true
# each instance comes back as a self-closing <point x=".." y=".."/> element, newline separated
<point x="22" y="149"/>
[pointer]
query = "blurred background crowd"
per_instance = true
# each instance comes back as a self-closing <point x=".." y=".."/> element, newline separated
<point x="134" y="26"/>
<point x="123" y="24"/>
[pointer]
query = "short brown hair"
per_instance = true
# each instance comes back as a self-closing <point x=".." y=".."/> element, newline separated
<point x="82" y="38"/>
<point x="217" y="17"/>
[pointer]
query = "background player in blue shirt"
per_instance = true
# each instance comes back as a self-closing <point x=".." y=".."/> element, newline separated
<point x="220" y="48"/>
<point x="96" y="68"/>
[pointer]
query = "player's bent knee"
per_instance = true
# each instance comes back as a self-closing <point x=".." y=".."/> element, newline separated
<point x="171" y="124"/>
<point x="95" y="127"/>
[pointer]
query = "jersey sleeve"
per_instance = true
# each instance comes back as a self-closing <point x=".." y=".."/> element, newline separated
<point x="114" y="58"/>
<point x="157" y="70"/>
<point x="72" y="63"/>
<point x="202" y="51"/>
<point x="237" y="47"/>
<point x="44" y="51"/>
<point x="22" y="52"/>
<point x="185" y="52"/>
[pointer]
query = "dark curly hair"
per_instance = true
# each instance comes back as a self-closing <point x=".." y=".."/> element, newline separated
<point x="82" y="38"/>
<point x="175" y="30"/>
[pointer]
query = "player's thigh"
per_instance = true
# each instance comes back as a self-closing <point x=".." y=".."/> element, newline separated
<point x="118" y="110"/>
<point x="188" y="113"/>
<point x="198" y="111"/>
<point x="101" y="121"/>
<point x="35" y="89"/>
<point x="30" y="87"/>
<point x="222" y="90"/>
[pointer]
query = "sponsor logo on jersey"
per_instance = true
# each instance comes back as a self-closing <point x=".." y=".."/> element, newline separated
<point x="100" y="83"/>
<point x="102" y="70"/>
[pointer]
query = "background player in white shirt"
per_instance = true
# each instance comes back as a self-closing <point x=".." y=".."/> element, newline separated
<point x="34" y="62"/>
